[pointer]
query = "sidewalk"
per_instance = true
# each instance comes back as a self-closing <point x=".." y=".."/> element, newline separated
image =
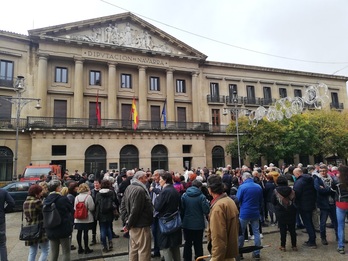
<point x="18" y="252"/>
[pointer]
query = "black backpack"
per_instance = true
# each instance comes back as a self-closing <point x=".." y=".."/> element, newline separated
<point x="106" y="205"/>
<point x="51" y="216"/>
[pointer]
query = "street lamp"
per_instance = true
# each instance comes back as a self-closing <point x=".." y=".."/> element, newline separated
<point x="19" y="102"/>
<point x="236" y="111"/>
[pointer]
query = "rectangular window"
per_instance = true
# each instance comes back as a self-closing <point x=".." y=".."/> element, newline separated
<point x="251" y="94"/>
<point x="232" y="93"/>
<point x="282" y="93"/>
<point x="95" y="78"/>
<point x="186" y="148"/>
<point x="180" y="86"/>
<point x="58" y="150"/>
<point x="154" y="84"/>
<point x="298" y="93"/>
<point x="267" y="95"/>
<point x="60" y="112"/>
<point x="126" y="81"/>
<point x="181" y="111"/>
<point x="215" y="119"/>
<point x="61" y="74"/>
<point x="155" y="117"/>
<point x="5" y="111"/>
<point x="126" y="115"/>
<point x="6" y="73"/>
<point x="93" y="121"/>
<point x="334" y="99"/>
<point x="214" y="92"/>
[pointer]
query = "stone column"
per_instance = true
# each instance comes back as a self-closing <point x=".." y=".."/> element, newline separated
<point x="78" y="89"/>
<point x="112" y="92"/>
<point x="170" y="96"/>
<point x="142" y="95"/>
<point x="41" y="91"/>
<point x="195" y="98"/>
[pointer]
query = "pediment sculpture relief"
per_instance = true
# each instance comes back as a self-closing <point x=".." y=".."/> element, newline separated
<point x="123" y="35"/>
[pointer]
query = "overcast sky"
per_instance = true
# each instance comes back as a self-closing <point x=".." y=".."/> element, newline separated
<point x="304" y="35"/>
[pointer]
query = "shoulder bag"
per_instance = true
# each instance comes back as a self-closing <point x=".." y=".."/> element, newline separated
<point x="170" y="223"/>
<point x="30" y="232"/>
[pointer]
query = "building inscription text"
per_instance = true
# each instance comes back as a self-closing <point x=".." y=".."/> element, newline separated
<point x="124" y="58"/>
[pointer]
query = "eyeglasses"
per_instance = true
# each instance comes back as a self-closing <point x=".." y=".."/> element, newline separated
<point x="323" y="170"/>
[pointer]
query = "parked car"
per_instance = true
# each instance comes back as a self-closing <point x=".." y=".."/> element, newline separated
<point x="19" y="192"/>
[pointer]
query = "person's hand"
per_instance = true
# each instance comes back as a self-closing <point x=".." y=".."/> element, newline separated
<point x="125" y="229"/>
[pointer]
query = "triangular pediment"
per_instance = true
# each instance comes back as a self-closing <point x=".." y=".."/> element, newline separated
<point x="119" y="31"/>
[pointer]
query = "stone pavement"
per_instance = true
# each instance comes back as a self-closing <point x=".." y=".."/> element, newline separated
<point x="18" y="252"/>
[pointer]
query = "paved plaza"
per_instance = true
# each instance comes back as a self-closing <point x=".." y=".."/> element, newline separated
<point x="17" y="251"/>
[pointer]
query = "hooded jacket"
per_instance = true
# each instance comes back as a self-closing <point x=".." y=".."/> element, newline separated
<point x="102" y="194"/>
<point x="66" y="211"/>
<point x="194" y="206"/>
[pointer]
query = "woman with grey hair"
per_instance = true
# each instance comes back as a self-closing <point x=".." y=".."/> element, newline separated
<point x="60" y="234"/>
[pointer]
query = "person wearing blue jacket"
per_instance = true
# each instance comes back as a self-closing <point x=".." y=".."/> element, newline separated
<point x="250" y="197"/>
<point x="195" y="207"/>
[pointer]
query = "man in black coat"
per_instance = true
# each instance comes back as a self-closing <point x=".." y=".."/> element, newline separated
<point x="305" y="202"/>
<point x="6" y="205"/>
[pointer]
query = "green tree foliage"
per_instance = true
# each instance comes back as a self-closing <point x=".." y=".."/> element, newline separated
<point x="321" y="132"/>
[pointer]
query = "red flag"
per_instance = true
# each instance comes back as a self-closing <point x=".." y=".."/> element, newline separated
<point x="135" y="114"/>
<point x="97" y="110"/>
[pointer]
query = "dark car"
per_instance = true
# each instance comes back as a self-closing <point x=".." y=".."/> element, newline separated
<point x="19" y="192"/>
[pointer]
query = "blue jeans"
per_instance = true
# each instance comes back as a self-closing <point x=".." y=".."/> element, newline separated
<point x="105" y="232"/>
<point x="255" y="228"/>
<point x="324" y="214"/>
<point x="341" y="218"/>
<point x="45" y="247"/>
<point x="308" y="223"/>
<point x="3" y="249"/>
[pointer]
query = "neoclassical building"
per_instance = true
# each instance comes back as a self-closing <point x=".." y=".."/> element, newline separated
<point x="106" y="63"/>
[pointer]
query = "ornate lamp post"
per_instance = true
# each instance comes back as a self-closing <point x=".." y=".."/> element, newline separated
<point x="236" y="111"/>
<point x="19" y="102"/>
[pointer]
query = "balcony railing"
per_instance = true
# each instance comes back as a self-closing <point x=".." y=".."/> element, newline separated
<point x="338" y="106"/>
<point x="11" y="123"/>
<point x="215" y="99"/>
<point x="83" y="123"/>
<point x="230" y="100"/>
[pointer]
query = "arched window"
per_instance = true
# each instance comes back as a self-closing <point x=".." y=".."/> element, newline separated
<point x="159" y="158"/>
<point x="218" y="157"/>
<point x="6" y="164"/>
<point x="129" y="157"/>
<point x="95" y="159"/>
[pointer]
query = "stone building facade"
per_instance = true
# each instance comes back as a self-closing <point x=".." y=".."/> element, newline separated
<point x="106" y="63"/>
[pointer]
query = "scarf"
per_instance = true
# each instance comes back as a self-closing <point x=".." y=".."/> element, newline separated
<point x="285" y="201"/>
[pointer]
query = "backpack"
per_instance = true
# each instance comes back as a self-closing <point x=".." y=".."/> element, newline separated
<point x="81" y="211"/>
<point x="51" y="216"/>
<point x="106" y="205"/>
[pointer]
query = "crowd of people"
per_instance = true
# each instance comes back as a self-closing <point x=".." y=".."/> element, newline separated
<point x="231" y="206"/>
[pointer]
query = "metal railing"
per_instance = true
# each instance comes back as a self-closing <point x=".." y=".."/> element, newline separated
<point x="215" y="99"/>
<point x="83" y="123"/>
<point x="338" y="106"/>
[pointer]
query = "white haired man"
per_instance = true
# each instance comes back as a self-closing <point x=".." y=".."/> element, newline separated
<point x="137" y="214"/>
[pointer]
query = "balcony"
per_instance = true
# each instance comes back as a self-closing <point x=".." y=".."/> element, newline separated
<point x="52" y="123"/>
<point x="251" y="101"/>
<point x="215" y="98"/>
<point x="267" y="101"/>
<point x="337" y="106"/>
<point x="230" y="100"/>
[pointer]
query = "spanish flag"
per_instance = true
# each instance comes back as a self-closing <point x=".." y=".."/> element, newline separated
<point x="135" y="114"/>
